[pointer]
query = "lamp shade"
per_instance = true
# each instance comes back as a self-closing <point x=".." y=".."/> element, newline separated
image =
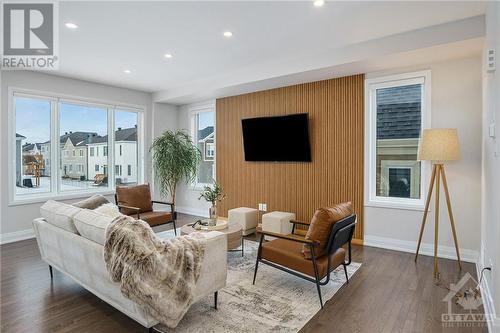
<point x="439" y="144"/>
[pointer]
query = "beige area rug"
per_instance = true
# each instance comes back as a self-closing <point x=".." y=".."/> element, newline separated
<point x="278" y="302"/>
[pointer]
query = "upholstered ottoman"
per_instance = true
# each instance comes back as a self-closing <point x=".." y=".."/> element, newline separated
<point x="246" y="217"/>
<point x="278" y="222"/>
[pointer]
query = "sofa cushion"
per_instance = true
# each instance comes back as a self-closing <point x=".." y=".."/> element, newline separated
<point x="156" y="218"/>
<point x="289" y="254"/>
<point x="60" y="215"/>
<point x="321" y="226"/>
<point x="92" y="225"/>
<point x="92" y="203"/>
<point x="109" y="209"/>
<point x="135" y="196"/>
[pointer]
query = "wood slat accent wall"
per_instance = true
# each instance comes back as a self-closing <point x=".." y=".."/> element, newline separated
<point x="336" y="117"/>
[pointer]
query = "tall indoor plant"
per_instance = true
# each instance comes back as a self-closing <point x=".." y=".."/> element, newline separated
<point x="175" y="158"/>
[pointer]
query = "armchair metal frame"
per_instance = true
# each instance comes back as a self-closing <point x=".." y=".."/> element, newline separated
<point x="341" y="234"/>
<point x="138" y="210"/>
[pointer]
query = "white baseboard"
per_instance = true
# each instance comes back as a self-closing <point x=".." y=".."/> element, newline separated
<point x="192" y="211"/>
<point x="488" y="304"/>
<point x="426" y="249"/>
<point x="16" y="236"/>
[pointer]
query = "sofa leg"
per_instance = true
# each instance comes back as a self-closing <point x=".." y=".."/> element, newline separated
<point x="151" y="330"/>
<point x="345" y="271"/>
<point x="216" y="294"/>
<point x="51" y="272"/>
<point x="175" y="229"/>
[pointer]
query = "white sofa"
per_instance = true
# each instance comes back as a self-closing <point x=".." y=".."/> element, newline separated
<point x="82" y="259"/>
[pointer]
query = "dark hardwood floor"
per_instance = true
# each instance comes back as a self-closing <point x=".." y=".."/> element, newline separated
<point x="389" y="293"/>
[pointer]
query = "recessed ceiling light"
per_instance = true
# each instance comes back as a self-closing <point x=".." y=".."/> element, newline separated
<point x="319" y="3"/>
<point x="71" y="25"/>
<point x="228" y="33"/>
<point x="127" y="71"/>
<point x="168" y="55"/>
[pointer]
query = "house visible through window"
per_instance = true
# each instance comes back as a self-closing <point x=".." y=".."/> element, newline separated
<point x="82" y="131"/>
<point x="126" y="147"/>
<point x="399" y="182"/>
<point x="76" y="133"/>
<point x="397" y="109"/>
<point x="33" y="125"/>
<point x="209" y="151"/>
<point x="204" y="136"/>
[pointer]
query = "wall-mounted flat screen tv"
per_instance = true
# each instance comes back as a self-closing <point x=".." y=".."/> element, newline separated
<point x="277" y="139"/>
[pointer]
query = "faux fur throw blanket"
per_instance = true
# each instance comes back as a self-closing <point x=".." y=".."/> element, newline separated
<point x="158" y="274"/>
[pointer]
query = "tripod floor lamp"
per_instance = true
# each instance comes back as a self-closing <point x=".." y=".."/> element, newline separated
<point x="438" y="146"/>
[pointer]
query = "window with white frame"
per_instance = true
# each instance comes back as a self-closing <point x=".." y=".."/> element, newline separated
<point x="397" y="108"/>
<point x="32" y="125"/>
<point x="126" y="146"/>
<point x="203" y="133"/>
<point x="43" y="121"/>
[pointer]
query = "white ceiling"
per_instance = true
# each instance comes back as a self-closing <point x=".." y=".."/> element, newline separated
<point x="114" y="36"/>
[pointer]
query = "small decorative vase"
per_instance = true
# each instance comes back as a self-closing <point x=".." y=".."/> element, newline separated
<point x="213" y="215"/>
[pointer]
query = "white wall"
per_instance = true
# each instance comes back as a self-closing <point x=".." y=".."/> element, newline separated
<point x="456" y="103"/>
<point x="15" y="221"/>
<point x="187" y="195"/>
<point x="491" y="171"/>
<point x="165" y="117"/>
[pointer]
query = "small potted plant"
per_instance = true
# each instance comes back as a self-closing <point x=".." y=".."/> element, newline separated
<point x="213" y="195"/>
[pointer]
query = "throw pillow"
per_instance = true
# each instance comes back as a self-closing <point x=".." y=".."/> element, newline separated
<point x="109" y="209"/>
<point x="92" y="203"/>
<point x="60" y="215"/>
<point x="321" y="226"/>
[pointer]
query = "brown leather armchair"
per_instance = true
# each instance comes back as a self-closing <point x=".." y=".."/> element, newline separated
<point x="136" y="201"/>
<point x="286" y="253"/>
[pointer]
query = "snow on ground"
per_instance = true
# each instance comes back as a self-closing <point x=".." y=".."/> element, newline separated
<point x="66" y="185"/>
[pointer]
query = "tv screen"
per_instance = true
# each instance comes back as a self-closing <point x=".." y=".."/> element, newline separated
<point x="277" y="139"/>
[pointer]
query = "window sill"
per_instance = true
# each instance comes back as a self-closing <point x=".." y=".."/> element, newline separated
<point x="60" y="197"/>
<point x="395" y="205"/>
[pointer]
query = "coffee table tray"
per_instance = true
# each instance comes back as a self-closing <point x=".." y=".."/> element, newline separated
<point x="221" y="225"/>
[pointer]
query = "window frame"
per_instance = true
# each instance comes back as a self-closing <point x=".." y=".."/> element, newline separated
<point x="400" y="164"/>
<point x="207" y="150"/>
<point x="371" y="86"/>
<point x="55" y="152"/>
<point x="193" y="112"/>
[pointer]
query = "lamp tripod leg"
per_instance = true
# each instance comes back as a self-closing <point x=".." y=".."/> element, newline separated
<point x="426" y="209"/>
<point x="450" y="213"/>
<point x="436" y="222"/>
